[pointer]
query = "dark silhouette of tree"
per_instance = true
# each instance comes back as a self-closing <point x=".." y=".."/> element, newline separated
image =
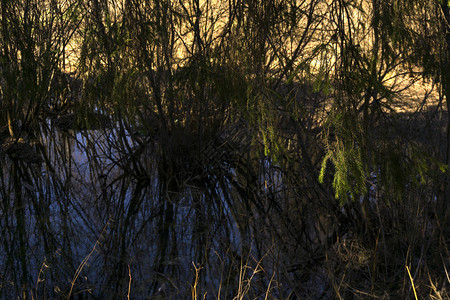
<point x="306" y="140"/>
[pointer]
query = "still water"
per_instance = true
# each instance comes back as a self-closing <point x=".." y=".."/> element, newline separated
<point x="101" y="213"/>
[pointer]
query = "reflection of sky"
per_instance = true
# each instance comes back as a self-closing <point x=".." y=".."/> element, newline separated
<point x="80" y="204"/>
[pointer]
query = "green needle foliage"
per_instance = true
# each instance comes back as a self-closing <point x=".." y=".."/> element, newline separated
<point x="283" y="148"/>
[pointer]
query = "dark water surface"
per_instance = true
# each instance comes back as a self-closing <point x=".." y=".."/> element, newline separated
<point x="100" y="213"/>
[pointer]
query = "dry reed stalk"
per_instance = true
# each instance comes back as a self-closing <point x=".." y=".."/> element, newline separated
<point x="412" y="282"/>
<point x="85" y="260"/>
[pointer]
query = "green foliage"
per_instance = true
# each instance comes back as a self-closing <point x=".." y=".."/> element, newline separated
<point x="203" y="97"/>
<point x="345" y="151"/>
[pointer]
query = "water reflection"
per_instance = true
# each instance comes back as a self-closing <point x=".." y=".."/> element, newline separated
<point x="83" y="210"/>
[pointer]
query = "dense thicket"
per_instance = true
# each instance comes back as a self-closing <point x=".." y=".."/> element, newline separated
<point x="244" y="149"/>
